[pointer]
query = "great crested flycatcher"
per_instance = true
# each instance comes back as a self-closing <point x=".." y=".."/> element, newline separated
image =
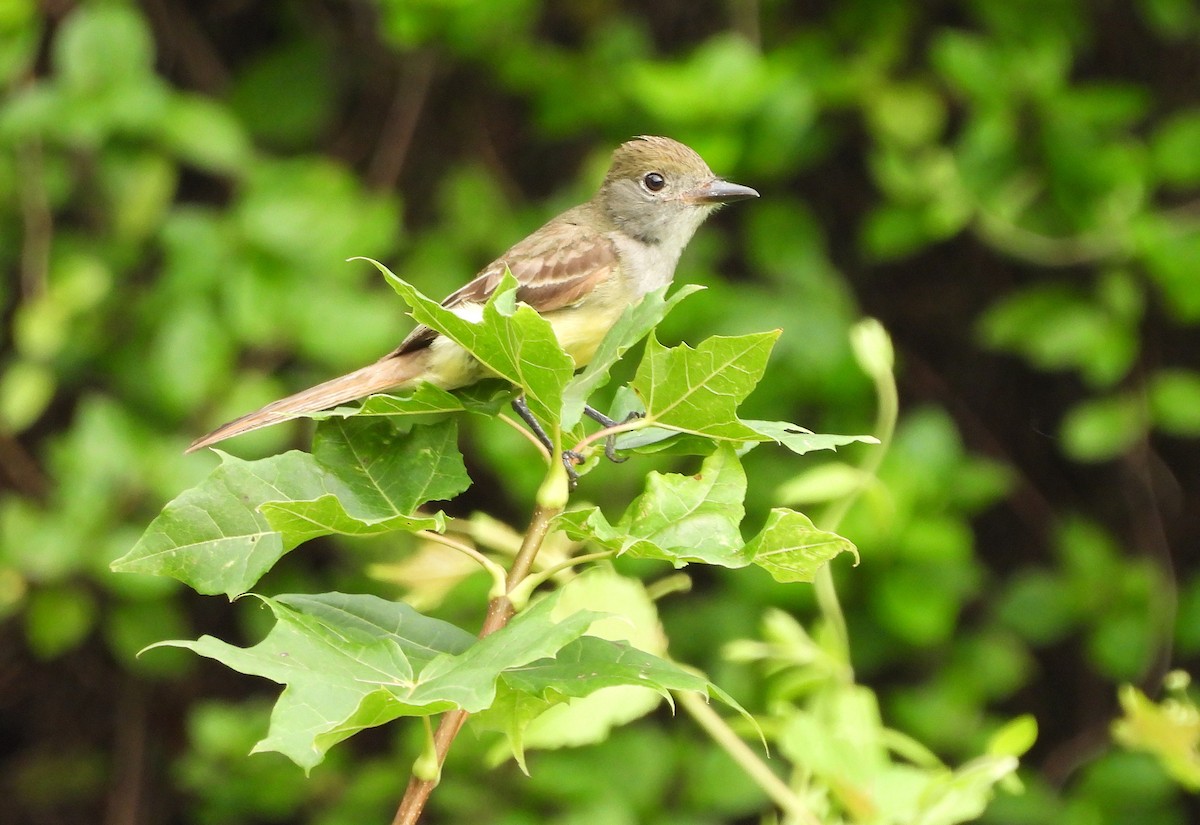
<point x="580" y="270"/>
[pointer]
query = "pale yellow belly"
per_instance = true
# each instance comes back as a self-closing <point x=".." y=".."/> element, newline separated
<point x="580" y="330"/>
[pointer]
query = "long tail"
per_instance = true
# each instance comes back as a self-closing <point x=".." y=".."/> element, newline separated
<point x="386" y="374"/>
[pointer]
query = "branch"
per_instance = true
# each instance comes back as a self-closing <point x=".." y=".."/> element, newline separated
<point x="873" y="351"/>
<point x="38" y="220"/>
<point x="395" y="138"/>
<point x="746" y="758"/>
<point x="500" y="610"/>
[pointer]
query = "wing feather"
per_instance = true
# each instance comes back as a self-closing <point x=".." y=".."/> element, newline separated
<point x="555" y="267"/>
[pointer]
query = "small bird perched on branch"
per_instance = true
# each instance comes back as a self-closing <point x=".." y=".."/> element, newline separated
<point x="580" y="271"/>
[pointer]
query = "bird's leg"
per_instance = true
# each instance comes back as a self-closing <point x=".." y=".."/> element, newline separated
<point x="570" y="458"/>
<point x="610" y="443"/>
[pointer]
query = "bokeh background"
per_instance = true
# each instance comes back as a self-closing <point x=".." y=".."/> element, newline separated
<point x="1012" y="187"/>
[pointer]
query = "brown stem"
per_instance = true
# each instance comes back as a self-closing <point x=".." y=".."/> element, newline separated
<point x="396" y="136"/>
<point x="500" y="610"/>
<point x="38" y="221"/>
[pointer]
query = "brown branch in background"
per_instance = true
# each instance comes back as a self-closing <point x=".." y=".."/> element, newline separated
<point x="500" y="610"/>
<point x="395" y="137"/>
<point x="1188" y="212"/>
<point x="1043" y="250"/>
<point x="37" y="220"/>
<point x="744" y="18"/>
<point x="1029" y="504"/>
<point x="1146" y="472"/>
<point x="177" y="29"/>
<point x="1066" y="758"/>
<point x="125" y="797"/>
<point x="19" y="469"/>
<point x="1146" y="467"/>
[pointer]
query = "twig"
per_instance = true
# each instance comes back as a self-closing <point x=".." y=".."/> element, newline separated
<point x="500" y="610"/>
<point x="184" y="39"/>
<point x="746" y="758"/>
<point x="885" y="427"/>
<point x="1045" y="250"/>
<point x="125" y="797"/>
<point x="495" y="570"/>
<point x="623" y="427"/>
<point x="21" y="469"/>
<point x="744" y="19"/>
<point x="530" y="437"/>
<point x="1154" y="541"/>
<point x="397" y="133"/>
<point x="37" y="218"/>
<point x="542" y="576"/>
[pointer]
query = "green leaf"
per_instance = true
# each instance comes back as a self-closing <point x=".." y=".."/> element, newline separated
<point x="304" y="520"/>
<point x="1174" y="397"/>
<point x="681" y="91"/>
<point x="823" y="483"/>
<point x="696" y="518"/>
<point x="698" y="390"/>
<point x="1056" y="327"/>
<point x="544" y="720"/>
<point x="1172" y="20"/>
<point x="58" y="619"/>
<point x="205" y="133"/>
<point x="800" y="440"/>
<point x="1100" y="429"/>
<point x="510" y="340"/>
<point x="190" y="360"/>
<point x="589" y="664"/>
<point x="337" y="654"/>
<point x="963" y="796"/>
<point x="427" y="404"/>
<point x="310" y="213"/>
<point x="1015" y="738"/>
<point x="469" y="681"/>
<point x="680" y="519"/>
<point x="1170" y="731"/>
<point x="839" y="738"/>
<point x="792" y="549"/>
<point x="607" y="679"/>
<point x="911" y="114"/>
<point x="389" y="472"/>
<point x="893" y="231"/>
<point x="634" y="324"/>
<point x="26" y="389"/>
<point x="213" y="538"/>
<point x="303" y="66"/>
<point x="1173" y="148"/>
<point x="222" y="535"/>
<point x="602" y="682"/>
<point x="103" y="45"/>
<point x="653" y="439"/>
<point x="355" y="661"/>
<point x="1169" y="246"/>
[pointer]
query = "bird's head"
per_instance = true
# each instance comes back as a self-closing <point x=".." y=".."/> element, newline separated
<point x="659" y="191"/>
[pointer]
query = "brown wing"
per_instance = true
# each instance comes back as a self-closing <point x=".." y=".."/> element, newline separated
<point x="555" y="267"/>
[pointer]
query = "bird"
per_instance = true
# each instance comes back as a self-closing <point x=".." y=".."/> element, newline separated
<point x="579" y="271"/>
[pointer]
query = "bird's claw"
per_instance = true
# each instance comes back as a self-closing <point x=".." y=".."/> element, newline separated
<point x="571" y="459"/>
<point x="610" y="451"/>
<point x="610" y="443"/>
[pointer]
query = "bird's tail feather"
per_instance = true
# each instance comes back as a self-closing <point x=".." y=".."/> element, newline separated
<point x="386" y="374"/>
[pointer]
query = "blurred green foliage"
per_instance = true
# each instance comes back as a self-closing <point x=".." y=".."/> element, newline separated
<point x="1012" y="187"/>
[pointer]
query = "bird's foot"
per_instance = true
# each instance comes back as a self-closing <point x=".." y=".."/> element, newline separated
<point x="610" y="443"/>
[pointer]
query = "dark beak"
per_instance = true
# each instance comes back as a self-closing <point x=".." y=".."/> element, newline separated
<point x="720" y="191"/>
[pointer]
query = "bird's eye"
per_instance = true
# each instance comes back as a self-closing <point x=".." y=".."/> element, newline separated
<point x="654" y="181"/>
